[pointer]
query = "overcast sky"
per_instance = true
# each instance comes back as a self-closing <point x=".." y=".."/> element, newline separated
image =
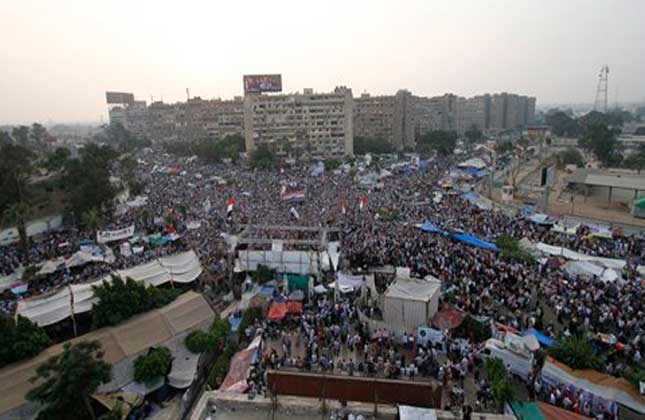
<point x="57" y="58"/>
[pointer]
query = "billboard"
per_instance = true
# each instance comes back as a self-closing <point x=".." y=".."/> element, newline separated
<point x="259" y="83"/>
<point x="119" y="97"/>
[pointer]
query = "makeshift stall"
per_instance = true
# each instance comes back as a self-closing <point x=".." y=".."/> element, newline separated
<point x="411" y="303"/>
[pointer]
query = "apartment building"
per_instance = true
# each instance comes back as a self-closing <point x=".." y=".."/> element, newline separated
<point x="194" y="119"/>
<point x="473" y="112"/>
<point x="307" y="124"/>
<point x="387" y="117"/>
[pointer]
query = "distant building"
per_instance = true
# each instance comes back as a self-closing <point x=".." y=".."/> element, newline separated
<point x="386" y="117"/>
<point x="315" y="125"/>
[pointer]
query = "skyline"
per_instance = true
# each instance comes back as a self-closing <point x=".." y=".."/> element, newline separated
<point x="66" y="55"/>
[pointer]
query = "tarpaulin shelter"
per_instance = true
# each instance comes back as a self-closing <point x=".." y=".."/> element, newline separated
<point x="603" y="388"/>
<point x="296" y="295"/>
<point x="612" y="263"/>
<point x="448" y="318"/>
<point x="277" y="311"/>
<point x="235" y="380"/>
<point x="297" y="282"/>
<point x="542" y="338"/>
<point x="477" y="200"/>
<point x="347" y="282"/>
<point x="638" y="209"/>
<point x="474" y="241"/>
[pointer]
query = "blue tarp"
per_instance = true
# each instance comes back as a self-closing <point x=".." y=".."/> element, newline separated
<point x="430" y="227"/>
<point x="235" y="322"/>
<point x="267" y="291"/>
<point x="542" y="338"/>
<point x="469" y="239"/>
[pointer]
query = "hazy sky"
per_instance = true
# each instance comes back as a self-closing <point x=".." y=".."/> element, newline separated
<point x="57" y="58"/>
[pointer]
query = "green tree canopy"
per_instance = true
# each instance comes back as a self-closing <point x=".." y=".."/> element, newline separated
<point x="571" y="156"/>
<point x="602" y="141"/>
<point x="119" y="137"/>
<point x="38" y="133"/>
<point x="262" y="158"/>
<point x="510" y="249"/>
<point x="496" y="373"/>
<point x="15" y="168"/>
<point x="153" y="366"/>
<point x="474" y="134"/>
<point x="562" y="124"/>
<point x="20" y="339"/>
<point x="66" y="382"/>
<point x="21" y="134"/>
<point x="200" y="341"/>
<point x="57" y="159"/>
<point x="577" y="352"/>
<point x="441" y="141"/>
<point x="119" y="300"/>
<point x="364" y="145"/>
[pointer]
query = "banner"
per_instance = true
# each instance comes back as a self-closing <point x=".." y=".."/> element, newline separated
<point x="114" y="235"/>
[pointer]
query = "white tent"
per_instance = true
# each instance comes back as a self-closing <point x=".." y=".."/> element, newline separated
<point x="408" y="412"/>
<point x="411" y="303"/>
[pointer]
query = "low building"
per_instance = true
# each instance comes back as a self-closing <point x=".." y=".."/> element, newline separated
<point x="410" y="303"/>
<point x="122" y="344"/>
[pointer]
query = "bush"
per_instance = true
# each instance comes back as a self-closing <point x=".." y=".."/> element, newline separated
<point x="571" y="156"/>
<point x="221" y="366"/>
<point x="197" y="341"/>
<point x="262" y="158"/>
<point x="263" y="274"/>
<point x="511" y="250"/>
<point x="153" y="366"/>
<point x="20" y="339"/>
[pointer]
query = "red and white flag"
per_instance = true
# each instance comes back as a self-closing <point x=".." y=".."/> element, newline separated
<point x="229" y="208"/>
<point x="362" y="203"/>
<point x="343" y="207"/>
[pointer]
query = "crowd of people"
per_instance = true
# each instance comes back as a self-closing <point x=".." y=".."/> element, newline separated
<point x="195" y="198"/>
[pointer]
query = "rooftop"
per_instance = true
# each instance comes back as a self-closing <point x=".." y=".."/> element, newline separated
<point x="607" y="179"/>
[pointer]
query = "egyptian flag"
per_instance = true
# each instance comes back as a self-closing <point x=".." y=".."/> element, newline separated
<point x="295" y="214"/>
<point x="362" y="203"/>
<point x="343" y="207"/>
<point x="229" y="208"/>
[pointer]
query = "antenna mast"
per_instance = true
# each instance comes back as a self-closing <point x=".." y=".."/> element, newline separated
<point x="601" y="92"/>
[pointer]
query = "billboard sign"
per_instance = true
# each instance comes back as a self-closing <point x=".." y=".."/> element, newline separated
<point x="259" y="83"/>
<point x="119" y="97"/>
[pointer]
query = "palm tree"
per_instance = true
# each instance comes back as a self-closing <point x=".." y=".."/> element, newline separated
<point x="18" y="214"/>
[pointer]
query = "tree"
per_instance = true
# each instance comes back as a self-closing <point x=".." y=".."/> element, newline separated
<point x="91" y="219"/>
<point x="15" y="168"/>
<point x="571" y="156"/>
<point x="377" y="145"/>
<point x="20" y="339"/>
<point x="510" y="249"/>
<point x="262" y="158"/>
<point x="5" y="138"/>
<point x="496" y="373"/>
<point x="441" y="141"/>
<point x="603" y="143"/>
<point x="57" y="159"/>
<point x="199" y="341"/>
<point x="88" y="180"/>
<point x="38" y="133"/>
<point x="562" y="124"/>
<point x="119" y="137"/>
<point x="119" y="300"/>
<point x="66" y="382"/>
<point x="19" y="214"/>
<point x="263" y="274"/>
<point x="153" y="366"/>
<point x="577" y="352"/>
<point x="474" y="134"/>
<point x="21" y="135"/>
<point x="504" y="147"/>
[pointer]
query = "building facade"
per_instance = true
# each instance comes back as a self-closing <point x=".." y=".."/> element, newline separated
<point x="307" y="124"/>
<point x="387" y="117"/>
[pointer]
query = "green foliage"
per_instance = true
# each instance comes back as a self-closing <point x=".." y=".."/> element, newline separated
<point x="636" y="161"/>
<point x="496" y="373"/>
<point x="38" y="133"/>
<point x="635" y="375"/>
<point x="364" y="145"/>
<point x="209" y="149"/>
<point x="20" y="339"/>
<point x="15" y="168"/>
<point x="505" y="147"/>
<point x="577" y="352"/>
<point x="57" y="159"/>
<point x="88" y="179"/>
<point x="263" y="274"/>
<point x="563" y="125"/>
<point x="602" y="141"/>
<point x="197" y="341"/>
<point x="571" y="156"/>
<point x="21" y="134"/>
<point x="18" y="214"/>
<point x="441" y="141"/>
<point x="153" y="366"/>
<point x="221" y="366"/>
<point x="249" y="317"/>
<point x="511" y="250"/>
<point x="90" y="219"/>
<point x="66" y="382"/>
<point x="119" y="300"/>
<point x="474" y="134"/>
<point x="262" y="158"/>
<point x="331" y="164"/>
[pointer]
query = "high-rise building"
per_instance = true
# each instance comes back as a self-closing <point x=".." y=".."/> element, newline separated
<point x="387" y="117"/>
<point x="473" y="112"/>
<point x="316" y="125"/>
